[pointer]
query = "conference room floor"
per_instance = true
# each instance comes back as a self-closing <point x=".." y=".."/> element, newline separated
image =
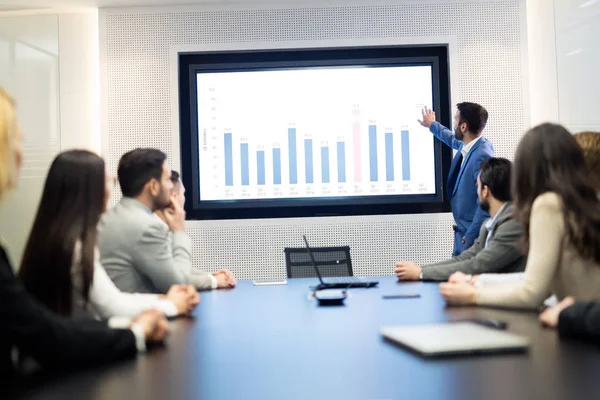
<point x="274" y="342"/>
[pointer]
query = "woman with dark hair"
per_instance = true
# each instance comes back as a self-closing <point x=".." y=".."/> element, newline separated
<point x="61" y="266"/>
<point x="579" y="320"/>
<point x="29" y="329"/>
<point x="557" y="204"/>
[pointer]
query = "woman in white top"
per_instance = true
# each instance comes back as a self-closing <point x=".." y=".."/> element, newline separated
<point x="106" y="300"/>
<point x="60" y="264"/>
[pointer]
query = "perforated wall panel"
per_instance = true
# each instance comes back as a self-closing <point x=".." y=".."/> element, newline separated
<point x="254" y="248"/>
<point x="488" y="68"/>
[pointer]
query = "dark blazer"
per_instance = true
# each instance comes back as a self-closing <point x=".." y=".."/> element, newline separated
<point x="502" y="254"/>
<point x="462" y="192"/>
<point x="580" y="321"/>
<point x="52" y="341"/>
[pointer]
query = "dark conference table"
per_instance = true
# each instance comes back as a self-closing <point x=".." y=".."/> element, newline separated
<point x="272" y="342"/>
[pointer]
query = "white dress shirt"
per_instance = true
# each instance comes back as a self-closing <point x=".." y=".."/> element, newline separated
<point x="140" y="338"/>
<point x="489" y="225"/>
<point x="106" y="300"/>
<point x="467" y="147"/>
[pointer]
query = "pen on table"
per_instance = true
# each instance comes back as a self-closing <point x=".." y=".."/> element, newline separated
<point x="401" y="296"/>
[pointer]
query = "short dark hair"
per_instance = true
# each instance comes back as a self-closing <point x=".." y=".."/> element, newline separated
<point x="174" y="176"/>
<point x="137" y="167"/>
<point x="474" y="115"/>
<point x="495" y="173"/>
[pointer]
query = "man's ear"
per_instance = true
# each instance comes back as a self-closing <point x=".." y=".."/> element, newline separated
<point x="464" y="127"/>
<point x="153" y="186"/>
<point x="485" y="191"/>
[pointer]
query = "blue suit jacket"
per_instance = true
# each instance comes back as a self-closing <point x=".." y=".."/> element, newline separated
<point x="468" y="216"/>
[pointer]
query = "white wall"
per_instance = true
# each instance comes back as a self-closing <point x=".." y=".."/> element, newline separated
<point x="578" y="63"/>
<point x="561" y="57"/>
<point x="564" y="60"/>
<point x="29" y="71"/>
<point x="543" y="88"/>
<point x="80" y="81"/>
<point x="58" y="57"/>
<point x="488" y="65"/>
<point x="49" y="63"/>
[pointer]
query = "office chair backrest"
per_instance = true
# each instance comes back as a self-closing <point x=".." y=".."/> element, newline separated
<point x="332" y="261"/>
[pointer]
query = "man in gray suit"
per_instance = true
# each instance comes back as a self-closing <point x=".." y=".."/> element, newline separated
<point x="496" y="249"/>
<point x="136" y="248"/>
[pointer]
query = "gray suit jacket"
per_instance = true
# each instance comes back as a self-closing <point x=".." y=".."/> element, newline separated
<point x="501" y="255"/>
<point x="140" y="255"/>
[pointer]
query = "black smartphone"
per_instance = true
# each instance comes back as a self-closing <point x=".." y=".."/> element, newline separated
<point x="489" y="322"/>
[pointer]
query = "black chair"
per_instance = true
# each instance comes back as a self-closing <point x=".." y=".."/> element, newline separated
<point x="332" y="261"/>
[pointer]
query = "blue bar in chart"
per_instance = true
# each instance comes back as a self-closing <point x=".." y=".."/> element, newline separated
<point x="389" y="156"/>
<point x="325" y="164"/>
<point x="373" y="152"/>
<point x="244" y="159"/>
<point x="260" y="167"/>
<point x="293" y="159"/>
<point x="277" y="166"/>
<point x="308" y="160"/>
<point x="228" y="160"/>
<point x="405" y="156"/>
<point x="341" y="162"/>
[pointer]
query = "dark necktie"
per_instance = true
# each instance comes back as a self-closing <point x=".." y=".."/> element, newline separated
<point x="454" y="170"/>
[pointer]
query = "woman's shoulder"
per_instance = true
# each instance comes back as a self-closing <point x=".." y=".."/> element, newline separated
<point x="547" y="201"/>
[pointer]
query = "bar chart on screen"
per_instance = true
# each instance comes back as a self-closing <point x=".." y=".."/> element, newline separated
<point x="314" y="133"/>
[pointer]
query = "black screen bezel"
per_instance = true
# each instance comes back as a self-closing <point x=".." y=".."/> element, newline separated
<point x="191" y="64"/>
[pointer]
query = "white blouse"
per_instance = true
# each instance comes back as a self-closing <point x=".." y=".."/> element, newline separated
<point x="106" y="300"/>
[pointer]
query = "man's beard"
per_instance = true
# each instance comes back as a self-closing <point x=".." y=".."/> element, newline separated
<point x="484" y="204"/>
<point x="458" y="134"/>
<point x="161" y="201"/>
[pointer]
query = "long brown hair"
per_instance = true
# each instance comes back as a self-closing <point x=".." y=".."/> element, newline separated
<point x="69" y="211"/>
<point x="548" y="159"/>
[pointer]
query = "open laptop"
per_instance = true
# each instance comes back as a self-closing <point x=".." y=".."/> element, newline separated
<point x="454" y="338"/>
<point x="342" y="282"/>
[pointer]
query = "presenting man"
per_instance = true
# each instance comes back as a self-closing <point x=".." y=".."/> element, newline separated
<point x="496" y="249"/>
<point x="472" y="148"/>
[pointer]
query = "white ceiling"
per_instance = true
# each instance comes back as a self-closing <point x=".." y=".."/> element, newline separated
<point x="16" y="5"/>
<point x="13" y="5"/>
